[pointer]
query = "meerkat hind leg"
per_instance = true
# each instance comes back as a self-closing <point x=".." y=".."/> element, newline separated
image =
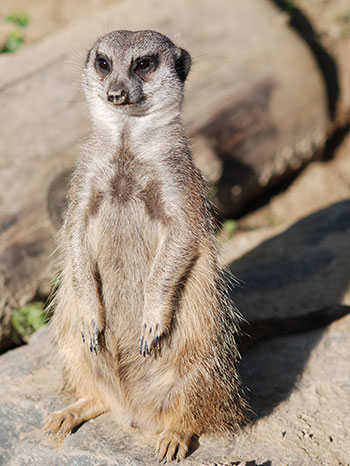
<point x="66" y="419"/>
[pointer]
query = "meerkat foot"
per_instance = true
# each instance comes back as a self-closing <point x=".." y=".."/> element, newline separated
<point x="151" y="338"/>
<point x="63" y="421"/>
<point x="172" y="445"/>
<point x="91" y="334"/>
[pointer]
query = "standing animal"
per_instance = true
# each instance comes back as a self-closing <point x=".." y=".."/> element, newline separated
<point x="142" y="321"/>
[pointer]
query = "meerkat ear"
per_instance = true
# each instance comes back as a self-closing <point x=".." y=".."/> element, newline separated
<point x="182" y="63"/>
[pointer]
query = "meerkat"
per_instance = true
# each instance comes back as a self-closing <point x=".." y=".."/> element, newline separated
<point x="142" y="322"/>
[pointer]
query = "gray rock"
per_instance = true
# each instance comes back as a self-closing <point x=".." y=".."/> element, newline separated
<point x="302" y="268"/>
<point x="307" y="428"/>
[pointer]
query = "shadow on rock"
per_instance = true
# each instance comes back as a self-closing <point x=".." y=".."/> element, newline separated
<point x="286" y="277"/>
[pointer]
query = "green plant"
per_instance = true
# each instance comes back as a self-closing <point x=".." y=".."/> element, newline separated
<point x="13" y="42"/>
<point x="20" y="18"/>
<point x="229" y="226"/>
<point x="15" y="37"/>
<point x="26" y="320"/>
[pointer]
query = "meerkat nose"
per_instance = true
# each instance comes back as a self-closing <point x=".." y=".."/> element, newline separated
<point x="118" y="94"/>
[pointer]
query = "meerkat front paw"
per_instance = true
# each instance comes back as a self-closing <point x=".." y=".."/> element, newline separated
<point x="91" y="334"/>
<point x="151" y="338"/>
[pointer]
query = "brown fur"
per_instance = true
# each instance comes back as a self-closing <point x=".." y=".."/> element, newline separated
<point x="140" y="263"/>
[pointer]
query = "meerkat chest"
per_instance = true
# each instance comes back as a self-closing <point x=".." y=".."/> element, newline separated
<point x="125" y="185"/>
<point x="125" y="203"/>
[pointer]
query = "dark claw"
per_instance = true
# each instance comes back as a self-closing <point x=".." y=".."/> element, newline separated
<point x="141" y="343"/>
<point x="94" y="347"/>
<point x="145" y="349"/>
<point x="92" y="339"/>
<point x="150" y="345"/>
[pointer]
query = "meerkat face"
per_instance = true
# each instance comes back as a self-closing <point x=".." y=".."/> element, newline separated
<point x="134" y="73"/>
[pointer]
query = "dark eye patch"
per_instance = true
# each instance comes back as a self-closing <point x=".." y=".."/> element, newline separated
<point x="103" y="65"/>
<point x="144" y="65"/>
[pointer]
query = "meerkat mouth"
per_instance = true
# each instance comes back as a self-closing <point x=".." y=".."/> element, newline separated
<point x="133" y="108"/>
<point x="126" y="104"/>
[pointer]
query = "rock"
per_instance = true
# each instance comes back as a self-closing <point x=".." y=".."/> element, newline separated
<point x="319" y="185"/>
<point x="300" y="391"/>
<point x="298" y="385"/>
<point x="291" y="428"/>
<point x="331" y="21"/>
<point x="296" y="255"/>
<point x="305" y="267"/>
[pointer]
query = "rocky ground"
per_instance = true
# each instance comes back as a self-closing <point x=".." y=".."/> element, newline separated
<point x="304" y="426"/>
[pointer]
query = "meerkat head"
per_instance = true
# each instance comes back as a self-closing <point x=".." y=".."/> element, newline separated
<point x="134" y="74"/>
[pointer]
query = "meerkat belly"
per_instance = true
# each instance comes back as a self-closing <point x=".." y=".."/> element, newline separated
<point x="123" y="239"/>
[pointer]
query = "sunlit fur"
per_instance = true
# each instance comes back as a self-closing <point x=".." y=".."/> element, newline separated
<point x="138" y="251"/>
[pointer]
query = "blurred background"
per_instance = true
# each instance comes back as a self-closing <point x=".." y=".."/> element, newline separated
<point x="267" y="106"/>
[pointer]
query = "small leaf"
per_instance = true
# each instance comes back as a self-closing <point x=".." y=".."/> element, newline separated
<point x="13" y="42"/>
<point x="27" y="319"/>
<point x="230" y="226"/>
<point x="20" y="18"/>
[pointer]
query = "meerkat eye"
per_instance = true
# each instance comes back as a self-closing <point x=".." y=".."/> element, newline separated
<point x="145" y="64"/>
<point x="103" y="65"/>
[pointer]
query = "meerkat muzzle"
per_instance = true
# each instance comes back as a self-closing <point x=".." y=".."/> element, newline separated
<point x="117" y="94"/>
